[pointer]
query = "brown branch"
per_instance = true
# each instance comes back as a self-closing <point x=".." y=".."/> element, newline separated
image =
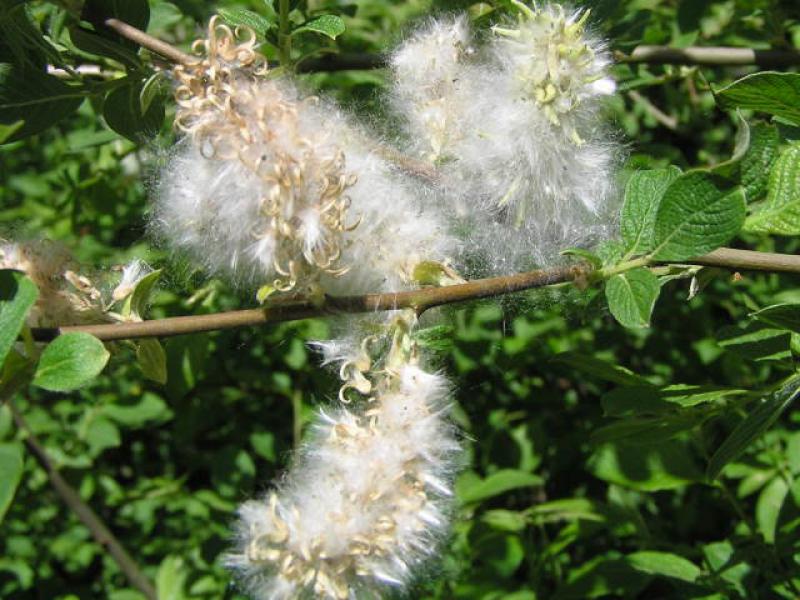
<point x="153" y="44"/>
<point x="419" y="300"/>
<point x="659" y="115"/>
<point x="100" y="532"/>
<point x="749" y="260"/>
<point x="658" y="55"/>
<point x="720" y="56"/>
<point x="290" y="310"/>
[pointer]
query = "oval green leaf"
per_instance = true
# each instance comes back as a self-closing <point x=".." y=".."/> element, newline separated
<point x="70" y="361"/>
<point x="17" y="295"/>
<point x="631" y="296"/>
<point x="780" y="213"/>
<point x="11" y="466"/>
<point x="757" y="161"/>
<point x="783" y="316"/>
<point x="122" y="110"/>
<point x="152" y="360"/>
<point x="35" y="99"/>
<point x="329" y="25"/>
<point x="698" y="213"/>
<point x="664" y="564"/>
<point x="771" y="92"/>
<point x="247" y="18"/>
<point x="643" y="194"/>
<point x="497" y="483"/>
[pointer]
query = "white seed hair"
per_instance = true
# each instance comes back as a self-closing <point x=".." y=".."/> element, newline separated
<point x="528" y="166"/>
<point x="66" y="297"/>
<point x="426" y="70"/>
<point x="366" y="500"/>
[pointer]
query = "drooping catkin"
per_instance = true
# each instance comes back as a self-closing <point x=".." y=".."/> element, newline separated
<point x="367" y="498"/>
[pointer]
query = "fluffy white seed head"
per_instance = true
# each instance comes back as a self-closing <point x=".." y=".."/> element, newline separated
<point x="65" y="296"/>
<point x="527" y="168"/>
<point x="364" y="503"/>
<point x="269" y="186"/>
<point x="426" y="71"/>
<point x="257" y="189"/>
<point x="555" y="63"/>
<point x="398" y="227"/>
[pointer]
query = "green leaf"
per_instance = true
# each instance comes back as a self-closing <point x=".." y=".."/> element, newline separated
<point x="105" y="41"/>
<point x="152" y="360"/>
<point x="122" y="110"/>
<point x="70" y="361"/>
<point x="21" y="39"/>
<point x="171" y="579"/>
<point x="664" y="564"/>
<point x="505" y="520"/>
<point x="787" y="529"/>
<point x="431" y="272"/>
<point x="646" y="430"/>
<point x="757" y="162"/>
<point x="649" y="400"/>
<point x="132" y="12"/>
<point x="501" y="552"/>
<point x="495" y="484"/>
<point x="149" y="408"/>
<point x="243" y="17"/>
<point x="697" y="214"/>
<point x="329" y="25"/>
<point x="35" y="98"/>
<point x="643" y="193"/>
<point x="784" y="316"/>
<point x="11" y="467"/>
<point x="768" y="507"/>
<point x="780" y="212"/>
<point x="17" y="295"/>
<point x="726" y="563"/>
<point x="101" y="434"/>
<point x="567" y="509"/>
<point x="600" y="368"/>
<point x="756" y="423"/>
<point x="105" y="45"/>
<point x="263" y="443"/>
<point x="139" y="299"/>
<point x="663" y="466"/>
<point x="151" y="90"/>
<point x="756" y="341"/>
<point x="632" y="295"/>
<point x="774" y="93"/>
<point x="6" y="131"/>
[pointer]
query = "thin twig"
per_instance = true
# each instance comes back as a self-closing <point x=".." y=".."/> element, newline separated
<point x="695" y="55"/>
<point x="100" y="532"/>
<point x="719" y="56"/>
<point x="290" y="310"/>
<point x="749" y="260"/>
<point x="148" y="41"/>
<point x="420" y="300"/>
<point x="659" y="115"/>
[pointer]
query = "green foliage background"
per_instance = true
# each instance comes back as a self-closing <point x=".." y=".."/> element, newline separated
<point x="579" y="482"/>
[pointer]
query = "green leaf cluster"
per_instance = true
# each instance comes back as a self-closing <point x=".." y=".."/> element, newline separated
<point x="655" y="461"/>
